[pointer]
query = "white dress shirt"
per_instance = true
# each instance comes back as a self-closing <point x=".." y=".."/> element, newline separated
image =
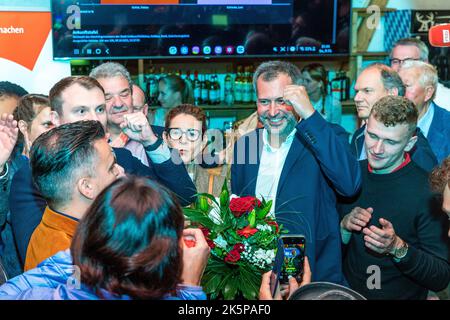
<point x="270" y="167"/>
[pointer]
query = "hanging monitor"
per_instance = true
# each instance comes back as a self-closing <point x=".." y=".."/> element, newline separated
<point x="120" y="29"/>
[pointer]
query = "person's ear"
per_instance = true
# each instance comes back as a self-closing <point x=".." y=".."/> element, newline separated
<point x="55" y="119"/>
<point x="145" y="109"/>
<point x="86" y="188"/>
<point x="412" y="141"/>
<point x="165" y="137"/>
<point x="23" y="127"/>
<point x="429" y="91"/>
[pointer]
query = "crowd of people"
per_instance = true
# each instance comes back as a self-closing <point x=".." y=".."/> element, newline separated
<point x="92" y="184"/>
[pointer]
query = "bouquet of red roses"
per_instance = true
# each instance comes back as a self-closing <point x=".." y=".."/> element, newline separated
<point x="243" y="241"/>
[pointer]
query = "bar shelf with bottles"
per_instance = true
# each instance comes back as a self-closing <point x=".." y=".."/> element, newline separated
<point x="230" y="93"/>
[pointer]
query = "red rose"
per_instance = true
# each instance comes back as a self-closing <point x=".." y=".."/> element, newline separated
<point x="247" y="231"/>
<point x="273" y="223"/>
<point x="239" y="247"/>
<point x="239" y="206"/>
<point x="206" y="233"/>
<point x="233" y="256"/>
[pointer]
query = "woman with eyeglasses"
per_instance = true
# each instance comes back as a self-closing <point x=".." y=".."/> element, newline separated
<point x="185" y="131"/>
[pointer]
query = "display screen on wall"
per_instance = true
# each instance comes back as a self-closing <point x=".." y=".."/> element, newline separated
<point x="199" y="28"/>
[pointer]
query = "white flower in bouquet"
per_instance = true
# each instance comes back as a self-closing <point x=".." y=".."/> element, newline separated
<point x="220" y="242"/>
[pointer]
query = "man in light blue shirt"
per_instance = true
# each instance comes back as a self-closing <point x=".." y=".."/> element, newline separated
<point x="421" y="79"/>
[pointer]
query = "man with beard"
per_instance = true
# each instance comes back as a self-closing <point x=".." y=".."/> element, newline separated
<point x="299" y="161"/>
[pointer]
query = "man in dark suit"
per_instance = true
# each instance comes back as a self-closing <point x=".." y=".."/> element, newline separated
<point x="373" y="83"/>
<point x="421" y="80"/>
<point x="82" y="98"/>
<point x="299" y="161"/>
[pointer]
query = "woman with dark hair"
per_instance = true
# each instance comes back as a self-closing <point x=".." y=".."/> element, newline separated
<point x="173" y="91"/>
<point x="315" y="80"/>
<point x="185" y="131"/>
<point x="33" y="116"/>
<point x="129" y="245"/>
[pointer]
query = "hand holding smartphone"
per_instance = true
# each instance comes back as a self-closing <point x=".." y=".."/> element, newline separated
<point x="288" y="261"/>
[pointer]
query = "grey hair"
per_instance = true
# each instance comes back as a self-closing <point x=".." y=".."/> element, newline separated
<point x="110" y="70"/>
<point x="428" y="75"/>
<point x="389" y="78"/>
<point x="419" y="44"/>
<point x="271" y="69"/>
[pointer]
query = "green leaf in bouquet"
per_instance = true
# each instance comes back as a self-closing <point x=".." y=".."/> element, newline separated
<point x="209" y="196"/>
<point x="224" y="195"/>
<point x="202" y="203"/>
<point x="250" y="281"/>
<point x="211" y="283"/>
<point x="232" y="235"/>
<point x="262" y="213"/>
<point x="252" y="219"/>
<point x="198" y="216"/>
<point x="242" y="222"/>
<point x="231" y="288"/>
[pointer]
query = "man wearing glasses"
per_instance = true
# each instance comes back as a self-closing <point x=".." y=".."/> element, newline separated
<point x="299" y="161"/>
<point x="412" y="49"/>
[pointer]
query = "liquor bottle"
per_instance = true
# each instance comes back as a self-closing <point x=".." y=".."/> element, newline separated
<point x="228" y="89"/>
<point x="247" y="93"/>
<point x="216" y="90"/>
<point x="212" y="94"/>
<point x="337" y="87"/>
<point x="345" y="93"/>
<point x="197" y="89"/>
<point x="204" y="90"/>
<point x="238" y="86"/>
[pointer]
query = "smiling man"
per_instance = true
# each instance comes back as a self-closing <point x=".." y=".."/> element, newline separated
<point x="299" y="161"/>
<point x="390" y="224"/>
<point x="118" y="87"/>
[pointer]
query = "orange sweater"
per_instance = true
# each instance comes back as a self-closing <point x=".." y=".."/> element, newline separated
<point x="53" y="234"/>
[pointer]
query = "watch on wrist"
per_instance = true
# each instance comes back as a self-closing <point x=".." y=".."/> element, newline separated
<point x="400" y="253"/>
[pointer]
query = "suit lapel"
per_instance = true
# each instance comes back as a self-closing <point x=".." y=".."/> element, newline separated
<point x="252" y="170"/>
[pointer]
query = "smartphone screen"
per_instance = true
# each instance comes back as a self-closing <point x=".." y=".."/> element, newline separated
<point x="288" y="260"/>
<point x="294" y="256"/>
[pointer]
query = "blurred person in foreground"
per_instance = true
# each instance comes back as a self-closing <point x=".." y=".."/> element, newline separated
<point x="129" y="245"/>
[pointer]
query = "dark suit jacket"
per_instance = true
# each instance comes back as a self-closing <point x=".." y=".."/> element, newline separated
<point x="27" y="204"/>
<point x="439" y="133"/>
<point x="422" y="153"/>
<point x="318" y="163"/>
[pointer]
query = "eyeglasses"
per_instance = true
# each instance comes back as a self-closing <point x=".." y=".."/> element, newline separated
<point x="191" y="134"/>
<point x="396" y="61"/>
